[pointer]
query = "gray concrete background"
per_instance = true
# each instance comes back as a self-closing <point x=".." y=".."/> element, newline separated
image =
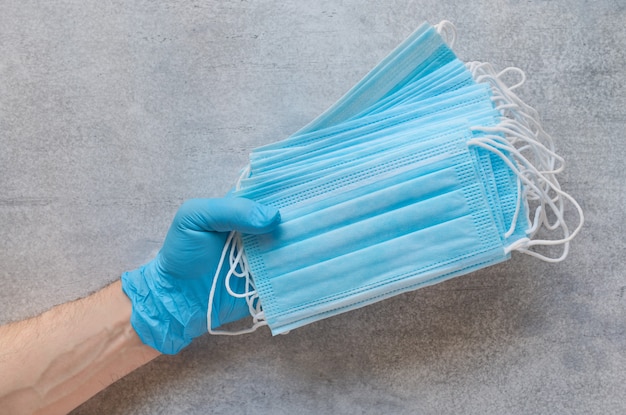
<point x="112" y="113"/>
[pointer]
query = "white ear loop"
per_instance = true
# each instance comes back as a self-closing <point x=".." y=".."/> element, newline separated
<point x="237" y="260"/>
<point x="233" y="246"/>
<point x="525" y="118"/>
<point x="447" y="31"/>
<point x="245" y="173"/>
<point x="509" y="104"/>
<point x="521" y="136"/>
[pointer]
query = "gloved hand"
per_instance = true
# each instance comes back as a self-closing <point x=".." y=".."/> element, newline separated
<point x="170" y="294"/>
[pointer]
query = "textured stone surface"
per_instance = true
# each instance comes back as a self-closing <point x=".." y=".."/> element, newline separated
<point x="112" y="113"/>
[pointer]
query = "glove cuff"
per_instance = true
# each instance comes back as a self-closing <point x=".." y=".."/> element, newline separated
<point x="151" y="317"/>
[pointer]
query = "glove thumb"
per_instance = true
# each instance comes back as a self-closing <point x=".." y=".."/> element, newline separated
<point x="228" y="214"/>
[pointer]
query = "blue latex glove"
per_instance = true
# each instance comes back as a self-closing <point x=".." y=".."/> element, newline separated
<point x="170" y="294"/>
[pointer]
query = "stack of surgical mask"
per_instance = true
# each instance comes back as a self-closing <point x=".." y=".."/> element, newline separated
<point x="427" y="169"/>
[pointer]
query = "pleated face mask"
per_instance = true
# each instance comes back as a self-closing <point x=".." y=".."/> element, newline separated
<point x="419" y="55"/>
<point x="426" y="170"/>
<point x="336" y="149"/>
<point x="404" y="220"/>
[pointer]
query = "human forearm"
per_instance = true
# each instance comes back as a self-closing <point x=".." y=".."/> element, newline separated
<point x="54" y="362"/>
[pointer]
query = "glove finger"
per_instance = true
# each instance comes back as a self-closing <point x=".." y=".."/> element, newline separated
<point x="228" y="214"/>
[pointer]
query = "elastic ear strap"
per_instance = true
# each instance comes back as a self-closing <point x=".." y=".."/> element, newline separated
<point x="237" y="260"/>
<point x="245" y="173"/>
<point x="524" y="146"/>
<point x="526" y="119"/>
<point x="531" y="182"/>
<point x="447" y="31"/>
<point x="509" y="104"/>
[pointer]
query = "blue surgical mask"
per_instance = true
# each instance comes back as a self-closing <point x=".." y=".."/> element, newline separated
<point x="427" y="169"/>
<point x="404" y="220"/>
<point x="449" y="77"/>
<point x="420" y="54"/>
<point x="325" y="163"/>
<point x="470" y="103"/>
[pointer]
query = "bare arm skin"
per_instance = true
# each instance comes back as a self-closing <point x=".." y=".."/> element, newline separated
<point x="52" y="363"/>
